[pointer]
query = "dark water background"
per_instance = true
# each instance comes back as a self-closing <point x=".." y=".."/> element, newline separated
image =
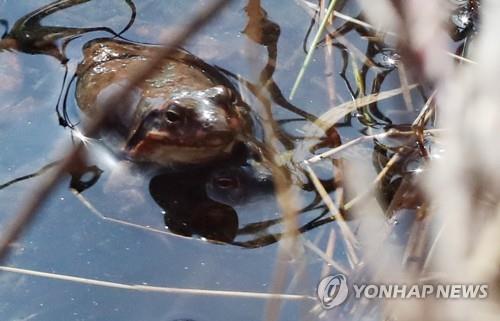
<point x="67" y="238"/>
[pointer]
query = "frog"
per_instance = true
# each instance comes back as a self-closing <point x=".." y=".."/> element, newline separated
<point x="186" y="113"/>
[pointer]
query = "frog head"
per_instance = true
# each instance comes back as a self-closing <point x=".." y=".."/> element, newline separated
<point x="191" y="127"/>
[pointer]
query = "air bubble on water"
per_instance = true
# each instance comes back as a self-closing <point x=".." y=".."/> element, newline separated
<point x="387" y="58"/>
<point x="461" y="19"/>
<point x="464" y="18"/>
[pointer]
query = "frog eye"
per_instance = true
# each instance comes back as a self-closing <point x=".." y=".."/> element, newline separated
<point x="229" y="94"/>
<point x="175" y="113"/>
<point x="223" y="94"/>
<point x="225" y="182"/>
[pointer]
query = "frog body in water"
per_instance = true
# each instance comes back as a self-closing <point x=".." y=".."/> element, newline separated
<point x="186" y="113"/>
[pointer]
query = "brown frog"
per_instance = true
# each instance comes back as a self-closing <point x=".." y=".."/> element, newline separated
<point x="186" y="113"/>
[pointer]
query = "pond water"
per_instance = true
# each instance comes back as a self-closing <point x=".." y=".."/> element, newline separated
<point x="115" y="230"/>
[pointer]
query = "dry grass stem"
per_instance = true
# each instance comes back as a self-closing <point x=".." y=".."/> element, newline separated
<point x="460" y="58"/>
<point x="326" y="256"/>
<point x="157" y="289"/>
<point x="330" y="247"/>
<point x="403" y="77"/>
<point x="335" y="114"/>
<point x="416" y="252"/>
<point x="313" y="45"/>
<point x="336" y="150"/>
<point x="329" y="62"/>
<point x="103" y="217"/>
<point x="347" y="234"/>
<point x="425" y="113"/>
<point x="394" y="159"/>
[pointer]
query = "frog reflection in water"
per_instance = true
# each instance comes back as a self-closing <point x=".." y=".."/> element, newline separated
<point x="203" y="201"/>
<point x="187" y="113"/>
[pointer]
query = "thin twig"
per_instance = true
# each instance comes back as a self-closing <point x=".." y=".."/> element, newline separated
<point x="325" y="257"/>
<point x="335" y="114"/>
<point x="156" y="289"/>
<point x="340" y="148"/>
<point x="314" y="43"/>
<point x="350" y="239"/>
<point x="394" y="159"/>
<point x="103" y="217"/>
<point x="329" y="62"/>
<point x="361" y="139"/>
<point x="467" y="60"/>
<point x="403" y="78"/>
<point x="424" y="113"/>
<point x="433" y="247"/>
<point x="415" y="252"/>
<point x="330" y="247"/>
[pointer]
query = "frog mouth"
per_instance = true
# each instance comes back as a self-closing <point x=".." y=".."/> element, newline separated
<point x="214" y="139"/>
<point x="155" y="140"/>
